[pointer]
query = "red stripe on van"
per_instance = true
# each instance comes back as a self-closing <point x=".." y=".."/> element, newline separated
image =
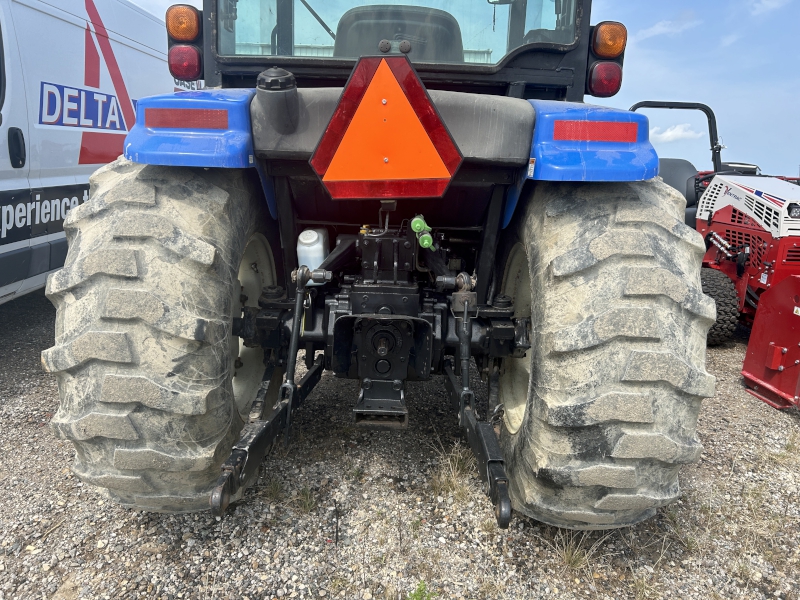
<point x="111" y="62"/>
<point x="100" y="148"/>
<point x="91" y="68"/>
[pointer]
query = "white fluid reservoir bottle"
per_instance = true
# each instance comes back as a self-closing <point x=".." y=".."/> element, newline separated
<point x="312" y="248"/>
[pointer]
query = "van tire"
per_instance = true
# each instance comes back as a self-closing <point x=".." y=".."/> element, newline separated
<point x="720" y="287"/>
<point x="144" y="354"/>
<point x="601" y="413"/>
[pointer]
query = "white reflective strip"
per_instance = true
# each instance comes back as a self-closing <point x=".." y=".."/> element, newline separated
<point x="15" y="246"/>
<point x="48" y="238"/>
<point x="34" y="283"/>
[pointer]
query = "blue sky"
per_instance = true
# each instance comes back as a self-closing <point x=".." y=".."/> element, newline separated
<point x="742" y="57"/>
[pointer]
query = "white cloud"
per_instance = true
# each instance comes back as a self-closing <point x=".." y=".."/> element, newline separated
<point x="675" y="133"/>
<point x="669" y="28"/>
<point x="729" y="40"/>
<point x="764" y="6"/>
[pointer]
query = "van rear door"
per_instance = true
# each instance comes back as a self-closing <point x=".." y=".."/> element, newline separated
<point x="16" y="210"/>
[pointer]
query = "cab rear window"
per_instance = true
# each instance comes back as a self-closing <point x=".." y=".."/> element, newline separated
<point x="433" y="31"/>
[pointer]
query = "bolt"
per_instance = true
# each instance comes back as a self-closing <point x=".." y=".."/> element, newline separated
<point x="784" y="350"/>
<point x="386" y="160"/>
<point x="383" y="101"/>
<point x="406" y="244"/>
<point x="780" y="369"/>
<point x="365" y="298"/>
<point x="366" y="242"/>
<point x="366" y="264"/>
<point x="383" y="347"/>
<point x="366" y="384"/>
<point x="405" y="299"/>
<point x="397" y="385"/>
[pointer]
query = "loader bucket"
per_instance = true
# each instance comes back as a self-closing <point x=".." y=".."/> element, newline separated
<point x="772" y="365"/>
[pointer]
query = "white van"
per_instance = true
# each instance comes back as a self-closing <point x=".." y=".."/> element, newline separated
<point x="70" y="74"/>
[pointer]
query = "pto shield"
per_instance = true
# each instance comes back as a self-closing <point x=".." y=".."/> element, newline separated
<point x="385" y="140"/>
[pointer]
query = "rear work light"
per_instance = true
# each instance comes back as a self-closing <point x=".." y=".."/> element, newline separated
<point x="609" y="39"/>
<point x="605" y="79"/>
<point x="183" y="23"/>
<point x="184" y="62"/>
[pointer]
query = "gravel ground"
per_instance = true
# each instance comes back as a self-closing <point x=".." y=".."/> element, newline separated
<point x="409" y="509"/>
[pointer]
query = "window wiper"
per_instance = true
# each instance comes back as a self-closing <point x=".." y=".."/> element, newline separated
<point x="319" y="19"/>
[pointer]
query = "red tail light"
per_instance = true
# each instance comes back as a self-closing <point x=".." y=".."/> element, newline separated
<point x="184" y="62"/>
<point x="605" y="79"/>
<point x="595" y="131"/>
<point x="185" y="118"/>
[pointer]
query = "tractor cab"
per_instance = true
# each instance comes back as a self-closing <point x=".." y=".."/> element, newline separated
<point x="543" y="49"/>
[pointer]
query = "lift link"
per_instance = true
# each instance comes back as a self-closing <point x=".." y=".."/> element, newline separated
<point x="301" y="277"/>
<point x="241" y="468"/>
<point x="486" y="447"/>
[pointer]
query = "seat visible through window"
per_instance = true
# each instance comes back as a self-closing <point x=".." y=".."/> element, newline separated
<point x="435" y="35"/>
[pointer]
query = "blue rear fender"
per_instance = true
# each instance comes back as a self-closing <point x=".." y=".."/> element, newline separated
<point x="207" y="128"/>
<point x="586" y="143"/>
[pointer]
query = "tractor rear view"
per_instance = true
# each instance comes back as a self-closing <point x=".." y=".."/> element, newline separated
<point x="751" y="226"/>
<point x="390" y="193"/>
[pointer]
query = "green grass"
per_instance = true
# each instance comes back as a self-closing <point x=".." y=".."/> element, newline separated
<point x="421" y="593"/>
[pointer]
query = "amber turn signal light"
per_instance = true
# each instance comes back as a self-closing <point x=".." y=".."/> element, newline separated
<point x="183" y="22"/>
<point x="610" y="39"/>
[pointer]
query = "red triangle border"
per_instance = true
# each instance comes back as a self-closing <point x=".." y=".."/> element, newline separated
<point x="354" y="91"/>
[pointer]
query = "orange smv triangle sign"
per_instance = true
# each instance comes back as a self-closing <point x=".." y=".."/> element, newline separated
<point x="385" y="139"/>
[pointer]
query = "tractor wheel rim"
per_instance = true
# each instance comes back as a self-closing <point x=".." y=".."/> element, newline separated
<point x="515" y="376"/>
<point x="256" y="271"/>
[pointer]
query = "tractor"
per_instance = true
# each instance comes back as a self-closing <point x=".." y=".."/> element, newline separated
<point x="751" y="226"/>
<point x="390" y="193"/>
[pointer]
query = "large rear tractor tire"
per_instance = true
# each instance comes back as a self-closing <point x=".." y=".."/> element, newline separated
<point x="720" y="287"/>
<point x="601" y="413"/>
<point x="154" y="388"/>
